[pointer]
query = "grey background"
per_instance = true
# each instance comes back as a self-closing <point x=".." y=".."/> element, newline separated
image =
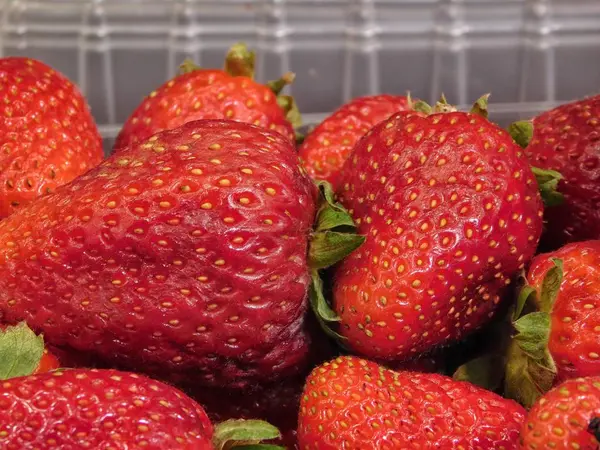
<point x="530" y="54"/>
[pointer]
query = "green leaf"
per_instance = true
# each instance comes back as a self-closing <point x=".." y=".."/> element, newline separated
<point x="240" y="61"/>
<point x="423" y="107"/>
<point x="533" y="331"/>
<point x="551" y="285"/>
<point x="442" y="106"/>
<point x="277" y="85"/>
<point x="521" y="132"/>
<point x="330" y="247"/>
<point x="486" y="371"/>
<point x="524" y="295"/>
<point x="480" y="107"/>
<point x="331" y="215"/>
<point x="238" y="432"/>
<point x="321" y="308"/>
<point x="527" y="379"/>
<point x="292" y="113"/>
<point x="20" y="351"/>
<point x="187" y="66"/>
<point x="258" y="447"/>
<point x="548" y="181"/>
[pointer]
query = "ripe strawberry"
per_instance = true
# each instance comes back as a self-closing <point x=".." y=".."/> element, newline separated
<point x="351" y="403"/>
<point x="184" y="256"/>
<point x="567" y="139"/>
<point x="451" y="212"/>
<point x="558" y="334"/>
<point x="47" y="134"/>
<point x="108" y="409"/>
<point x="22" y="352"/>
<point x="327" y="147"/>
<point x="566" y="418"/>
<point x="213" y="94"/>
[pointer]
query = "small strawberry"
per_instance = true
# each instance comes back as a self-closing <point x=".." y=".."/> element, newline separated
<point x="351" y="404"/>
<point x="557" y="322"/>
<point x="451" y="213"/>
<point x="110" y="409"/>
<point x="198" y="93"/>
<point x="566" y="418"/>
<point x="327" y="147"/>
<point x="185" y="256"/>
<point x="47" y="134"/>
<point x="567" y="139"/>
<point x="22" y="352"/>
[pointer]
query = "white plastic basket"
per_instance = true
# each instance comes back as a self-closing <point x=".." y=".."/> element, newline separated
<point x="531" y="54"/>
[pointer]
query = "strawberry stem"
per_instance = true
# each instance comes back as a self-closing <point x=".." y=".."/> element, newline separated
<point x="239" y="61"/>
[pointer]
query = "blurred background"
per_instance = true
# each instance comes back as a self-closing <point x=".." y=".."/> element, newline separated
<point x="530" y="54"/>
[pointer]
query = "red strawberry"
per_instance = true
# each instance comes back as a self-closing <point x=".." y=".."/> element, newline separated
<point x="558" y="335"/>
<point x="107" y="409"/>
<point x="451" y="212"/>
<point x="327" y="147"/>
<point x="213" y="94"/>
<point x="567" y="139"/>
<point x="47" y="134"/>
<point x="350" y="403"/>
<point x="566" y="418"/>
<point x="182" y="256"/>
<point x="22" y="352"/>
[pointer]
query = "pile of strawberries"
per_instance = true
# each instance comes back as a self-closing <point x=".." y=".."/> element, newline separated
<point x="221" y="282"/>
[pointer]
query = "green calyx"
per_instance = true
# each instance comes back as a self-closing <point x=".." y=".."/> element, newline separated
<point x="530" y="369"/>
<point x="334" y="238"/>
<point x="240" y="61"/>
<point x="485" y="371"/>
<point x="548" y="186"/>
<point x="480" y="107"/>
<point x="21" y="351"/>
<point x="242" y="434"/>
<point x="521" y="132"/>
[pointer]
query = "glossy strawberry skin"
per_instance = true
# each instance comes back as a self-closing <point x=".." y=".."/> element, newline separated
<point x="98" y="409"/>
<point x="567" y="139"/>
<point x="575" y="318"/>
<point x="183" y="256"/>
<point x="559" y="420"/>
<point x="451" y="213"/>
<point x="327" y="147"/>
<point x="47" y="134"/>
<point x="204" y="94"/>
<point x="351" y="403"/>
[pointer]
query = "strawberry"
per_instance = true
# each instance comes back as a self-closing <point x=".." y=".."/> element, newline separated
<point x="22" y="352"/>
<point x="566" y="418"/>
<point x="183" y="256"/>
<point x="351" y="403"/>
<point x="199" y="93"/>
<point x="47" y="134"/>
<point x="82" y="408"/>
<point x="567" y="139"/>
<point x="556" y="322"/>
<point x="327" y="147"/>
<point x="451" y="213"/>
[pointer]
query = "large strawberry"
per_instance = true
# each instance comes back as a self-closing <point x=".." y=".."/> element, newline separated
<point x="327" y="147"/>
<point x="567" y="139"/>
<point x="451" y="212"/>
<point x="198" y="93"/>
<point x="183" y="255"/>
<point x="22" y="352"/>
<point x="47" y="134"/>
<point x="102" y="409"/>
<point x="557" y="322"/>
<point x="351" y="403"/>
<point x="566" y="418"/>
